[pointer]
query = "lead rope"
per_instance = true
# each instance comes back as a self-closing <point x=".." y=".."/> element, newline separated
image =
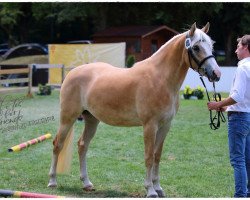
<point x="219" y="116"/>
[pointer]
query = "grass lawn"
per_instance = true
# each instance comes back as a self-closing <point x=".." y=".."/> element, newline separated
<point x="194" y="161"/>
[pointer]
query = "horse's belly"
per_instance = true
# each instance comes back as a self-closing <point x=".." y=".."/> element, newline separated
<point x="112" y="99"/>
<point x="116" y="118"/>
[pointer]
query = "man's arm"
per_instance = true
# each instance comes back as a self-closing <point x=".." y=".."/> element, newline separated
<point x="221" y="105"/>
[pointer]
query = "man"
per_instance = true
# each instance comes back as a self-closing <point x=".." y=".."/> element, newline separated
<point x="238" y="107"/>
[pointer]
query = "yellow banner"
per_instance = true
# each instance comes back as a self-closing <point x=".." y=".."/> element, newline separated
<point x="73" y="55"/>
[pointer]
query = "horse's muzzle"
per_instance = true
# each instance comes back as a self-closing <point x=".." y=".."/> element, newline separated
<point x="215" y="76"/>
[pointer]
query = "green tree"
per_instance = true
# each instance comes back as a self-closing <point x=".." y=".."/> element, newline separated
<point x="244" y="24"/>
<point x="9" y="14"/>
<point x="63" y="21"/>
<point x="228" y="21"/>
<point x="57" y="22"/>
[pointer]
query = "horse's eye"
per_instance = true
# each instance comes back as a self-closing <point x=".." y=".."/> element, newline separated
<point x="196" y="48"/>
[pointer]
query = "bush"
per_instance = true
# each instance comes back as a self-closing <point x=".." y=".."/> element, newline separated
<point x="198" y="92"/>
<point x="130" y="61"/>
<point x="44" y="89"/>
<point x="187" y="92"/>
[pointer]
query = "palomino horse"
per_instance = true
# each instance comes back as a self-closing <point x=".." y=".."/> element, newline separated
<point x="145" y="95"/>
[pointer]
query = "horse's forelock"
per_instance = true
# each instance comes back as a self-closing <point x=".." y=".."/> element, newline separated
<point x="201" y="36"/>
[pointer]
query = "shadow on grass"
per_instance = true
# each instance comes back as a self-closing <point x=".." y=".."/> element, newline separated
<point x="72" y="192"/>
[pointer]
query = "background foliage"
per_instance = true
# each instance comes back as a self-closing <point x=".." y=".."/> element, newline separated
<point x="58" y="22"/>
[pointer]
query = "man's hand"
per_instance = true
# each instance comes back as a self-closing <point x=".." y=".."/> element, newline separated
<point x="213" y="105"/>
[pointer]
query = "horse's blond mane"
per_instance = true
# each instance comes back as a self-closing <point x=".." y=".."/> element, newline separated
<point x="198" y="36"/>
<point x="167" y="43"/>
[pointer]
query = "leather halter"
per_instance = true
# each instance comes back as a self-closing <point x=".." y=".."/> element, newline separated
<point x="192" y="55"/>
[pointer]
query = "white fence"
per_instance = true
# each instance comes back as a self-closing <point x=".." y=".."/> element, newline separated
<point x="227" y="74"/>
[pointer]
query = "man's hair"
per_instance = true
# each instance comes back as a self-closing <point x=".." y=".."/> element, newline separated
<point x="245" y="40"/>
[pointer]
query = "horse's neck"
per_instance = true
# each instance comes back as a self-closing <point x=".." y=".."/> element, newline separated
<point x="169" y="62"/>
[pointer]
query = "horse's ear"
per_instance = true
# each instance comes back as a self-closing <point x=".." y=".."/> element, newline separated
<point x="192" y="30"/>
<point x="205" y="29"/>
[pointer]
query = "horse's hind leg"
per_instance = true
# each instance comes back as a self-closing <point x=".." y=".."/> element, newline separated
<point x="66" y="123"/>
<point x="91" y="124"/>
<point x="160" y="137"/>
<point x="58" y="145"/>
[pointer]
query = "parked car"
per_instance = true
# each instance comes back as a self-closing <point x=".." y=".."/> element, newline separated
<point x="220" y="56"/>
<point x="80" y="42"/>
<point x="3" y="51"/>
<point x="4" y="48"/>
<point x="219" y="53"/>
<point x="25" y="50"/>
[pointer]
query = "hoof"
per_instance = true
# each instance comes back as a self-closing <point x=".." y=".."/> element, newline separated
<point x="89" y="188"/>
<point x="52" y="185"/>
<point x="160" y="193"/>
<point x="152" y="196"/>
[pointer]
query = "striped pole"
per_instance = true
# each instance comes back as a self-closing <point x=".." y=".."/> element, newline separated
<point x="19" y="194"/>
<point x="21" y="146"/>
<point x="6" y="193"/>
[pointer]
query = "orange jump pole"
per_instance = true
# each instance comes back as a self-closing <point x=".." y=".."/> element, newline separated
<point x="19" y="194"/>
<point x="24" y="145"/>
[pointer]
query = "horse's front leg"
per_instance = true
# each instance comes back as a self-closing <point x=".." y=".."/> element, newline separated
<point x="150" y="130"/>
<point x="160" y="137"/>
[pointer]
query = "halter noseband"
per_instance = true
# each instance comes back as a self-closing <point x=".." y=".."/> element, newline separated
<point x="191" y="55"/>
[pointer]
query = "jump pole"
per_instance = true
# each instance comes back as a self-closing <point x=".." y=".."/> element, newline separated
<point x="19" y="194"/>
<point x="24" y="145"/>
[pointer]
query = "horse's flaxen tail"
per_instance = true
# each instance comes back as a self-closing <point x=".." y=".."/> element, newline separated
<point x="65" y="156"/>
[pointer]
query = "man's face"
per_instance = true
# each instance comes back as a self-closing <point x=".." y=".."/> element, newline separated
<point x="241" y="51"/>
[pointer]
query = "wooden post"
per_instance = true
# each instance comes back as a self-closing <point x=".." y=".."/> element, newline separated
<point x="29" y="95"/>
<point x="63" y="72"/>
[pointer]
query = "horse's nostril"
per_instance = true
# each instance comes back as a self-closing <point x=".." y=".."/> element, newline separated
<point x="215" y="76"/>
<point x="217" y="79"/>
<point x="217" y="73"/>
